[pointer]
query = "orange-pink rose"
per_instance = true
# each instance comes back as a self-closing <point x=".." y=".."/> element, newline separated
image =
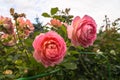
<point x="50" y="48"/>
<point x="82" y="31"/>
<point x="8" y="40"/>
<point x="55" y="23"/>
<point x="25" y="26"/>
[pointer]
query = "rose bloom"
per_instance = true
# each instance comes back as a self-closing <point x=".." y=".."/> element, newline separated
<point x="82" y="31"/>
<point x="50" y="48"/>
<point x="25" y="26"/>
<point x="55" y="23"/>
<point x="7" y="25"/>
<point x="8" y="40"/>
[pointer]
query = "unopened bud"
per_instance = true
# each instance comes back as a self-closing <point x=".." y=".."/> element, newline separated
<point x="12" y="11"/>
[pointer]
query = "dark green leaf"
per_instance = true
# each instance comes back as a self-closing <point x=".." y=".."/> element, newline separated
<point x="70" y="16"/>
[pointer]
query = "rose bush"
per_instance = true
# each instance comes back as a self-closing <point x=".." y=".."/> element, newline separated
<point x="50" y="48"/>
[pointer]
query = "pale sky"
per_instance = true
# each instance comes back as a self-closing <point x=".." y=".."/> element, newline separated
<point x="94" y="8"/>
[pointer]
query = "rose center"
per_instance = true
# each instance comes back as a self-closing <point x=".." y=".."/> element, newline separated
<point x="51" y="49"/>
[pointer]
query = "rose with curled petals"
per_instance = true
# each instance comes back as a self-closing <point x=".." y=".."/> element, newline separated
<point x="50" y="48"/>
<point x="82" y="31"/>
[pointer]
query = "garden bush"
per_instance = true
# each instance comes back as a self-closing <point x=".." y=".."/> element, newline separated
<point x="65" y="48"/>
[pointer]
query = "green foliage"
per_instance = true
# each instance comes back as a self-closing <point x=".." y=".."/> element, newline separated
<point x="45" y="15"/>
<point x="54" y="11"/>
<point x="70" y="65"/>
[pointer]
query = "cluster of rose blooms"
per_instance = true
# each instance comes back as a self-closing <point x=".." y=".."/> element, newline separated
<point x="50" y="48"/>
<point x="9" y="30"/>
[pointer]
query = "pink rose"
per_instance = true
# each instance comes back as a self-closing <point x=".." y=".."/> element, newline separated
<point x="56" y="23"/>
<point x="82" y="31"/>
<point x="7" y="25"/>
<point x="50" y="48"/>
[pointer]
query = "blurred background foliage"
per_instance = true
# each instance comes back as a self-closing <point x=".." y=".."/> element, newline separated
<point x="98" y="62"/>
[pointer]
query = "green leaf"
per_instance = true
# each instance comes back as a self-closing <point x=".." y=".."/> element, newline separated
<point x="64" y="29"/>
<point x="54" y="10"/>
<point x="45" y="15"/>
<point x="80" y="48"/>
<point x="18" y="62"/>
<point x="10" y="76"/>
<point x="56" y="16"/>
<point x="2" y="77"/>
<point x="28" y="42"/>
<point x="70" y="66"/>
<point x="74" y="52"/>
